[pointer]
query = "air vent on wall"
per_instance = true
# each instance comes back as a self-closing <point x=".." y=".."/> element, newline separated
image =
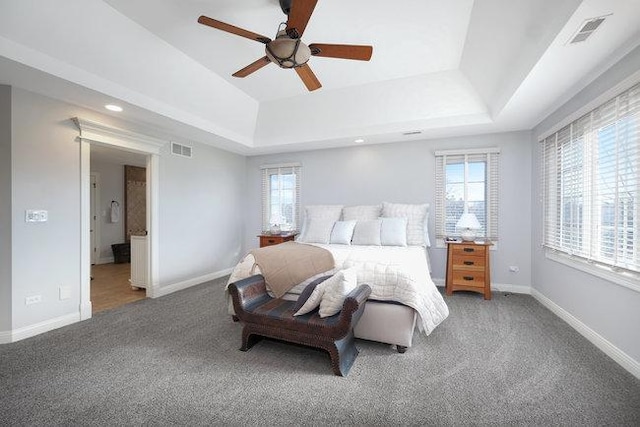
<point x="587" y="28"/>
<point x="180" y="150"/>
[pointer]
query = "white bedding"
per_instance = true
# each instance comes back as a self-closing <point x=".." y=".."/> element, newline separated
<point x="394" y="273"/>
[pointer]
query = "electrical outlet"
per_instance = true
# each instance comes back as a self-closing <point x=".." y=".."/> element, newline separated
<point x="33" y="299"/>
<point x="65" y="292"/>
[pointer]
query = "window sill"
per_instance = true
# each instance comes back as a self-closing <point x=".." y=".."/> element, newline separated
<point x="622" y="278"/>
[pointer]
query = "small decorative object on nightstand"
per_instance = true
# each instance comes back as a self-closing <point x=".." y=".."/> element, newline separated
<point x="468" y="267"/>
<point x="268" y="239"/>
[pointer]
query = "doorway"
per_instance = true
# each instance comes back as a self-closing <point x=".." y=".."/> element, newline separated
<point x="118" y="204"/>
<point x="94" y="137"/>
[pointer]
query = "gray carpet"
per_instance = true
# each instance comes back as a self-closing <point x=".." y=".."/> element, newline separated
<point x="175" y="360"/>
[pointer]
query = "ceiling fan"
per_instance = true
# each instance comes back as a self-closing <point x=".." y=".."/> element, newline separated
<point x="287" y="50"/>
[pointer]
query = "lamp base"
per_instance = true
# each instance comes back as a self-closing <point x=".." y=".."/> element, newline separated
<point x="468" y="235"/>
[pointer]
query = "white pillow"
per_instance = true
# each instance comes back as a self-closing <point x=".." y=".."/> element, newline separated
<point x="318" y="231"/>
<point x="361" y="213"/>
<point x="367" y="233"/>
<point x="342" y="232"/>
<point x="332" y="212"/>
<point x="336" y="291"/>
<point x="393" y="232"/>
<point x="416" y="219"/>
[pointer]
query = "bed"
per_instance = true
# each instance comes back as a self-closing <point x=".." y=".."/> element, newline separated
<point x="389" y="253"/>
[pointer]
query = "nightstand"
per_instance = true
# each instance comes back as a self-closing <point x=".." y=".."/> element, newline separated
<point x="468" y="267"/>
<point x="267" y="239"/>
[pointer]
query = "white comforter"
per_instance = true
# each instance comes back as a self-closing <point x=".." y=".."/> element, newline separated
<point x="394" y="273"/>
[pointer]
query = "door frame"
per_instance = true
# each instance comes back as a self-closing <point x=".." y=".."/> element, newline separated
<point x="92" y="132"/>
<point x="94" y="223"/>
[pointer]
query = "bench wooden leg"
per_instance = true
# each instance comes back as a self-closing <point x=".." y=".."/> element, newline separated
<point x="343" y="353"/>
<point x="249" y="339"/>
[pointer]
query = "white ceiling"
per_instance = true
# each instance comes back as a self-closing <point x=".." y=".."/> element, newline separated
<point x="442" y="68"/>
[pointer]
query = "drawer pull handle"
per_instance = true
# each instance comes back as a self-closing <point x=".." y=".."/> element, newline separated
<point x="468" y="249"/>
<point x="467" y="277"/>
<point x="468" y="263"/>
<point x="271" y="241"/>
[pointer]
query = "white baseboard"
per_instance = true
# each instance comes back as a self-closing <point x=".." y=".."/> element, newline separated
<point x="38" y="328"/>
<point x="169" y="289"/>
<point x="499" y="287"/>
<point x="106" y="260"/>
<point x="514" y="289"/>
<point x="619" y="356"/>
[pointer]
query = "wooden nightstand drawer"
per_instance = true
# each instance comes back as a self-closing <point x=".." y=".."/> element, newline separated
<point x="469" y="278"/>
<point x="468" y="262"/>
<point x="466" y="250"/>
<point x="275" y="239"/>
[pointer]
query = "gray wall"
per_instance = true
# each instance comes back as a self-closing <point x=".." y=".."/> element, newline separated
<point x="200" y="212"/>
<point x="46" y="174"/>
<point x="609" y="309"/>
<point x="200" y="230"/>
<point x="5" y="208"/>
<point x="111" y="179"/>
<point x="405" y="173"/>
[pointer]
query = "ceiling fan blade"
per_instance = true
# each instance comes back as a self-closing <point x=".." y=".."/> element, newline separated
<point x="308" y="78"/>
<point x="344" y="51"/>
<point x="254" y="66"/>
<point x="299" y="16"/>
<point x="205" y="20"/>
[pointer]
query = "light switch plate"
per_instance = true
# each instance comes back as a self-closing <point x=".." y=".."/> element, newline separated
<point x="32" y="215"/>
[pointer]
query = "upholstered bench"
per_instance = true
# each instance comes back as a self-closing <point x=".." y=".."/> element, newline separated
<point x="264" y="316"/>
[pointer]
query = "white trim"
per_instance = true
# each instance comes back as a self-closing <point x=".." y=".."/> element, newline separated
<point x="105" y="260"/>
<point x="5" y="337"/>
<point x="96" y="228"/>
<point x="97" y="133"/>
<point x="619" y="356"/>
<point x="595" y="103"/>
<point x="463" y="151"/>
<point x="169" y="289"/>
<point x="496" y="287"/>
<point x="281" y="165"/>
<point x="42" y="327"/>
<point x="619" y="278"/>
<point x="85" y="224"/>
<point x="108" y="135"/>
<point x="153" y="223"/>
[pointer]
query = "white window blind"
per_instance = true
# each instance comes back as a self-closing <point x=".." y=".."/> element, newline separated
<point x="471" y="178"/>
<point x="280" y="196"/>
<point x="592" y="182"/>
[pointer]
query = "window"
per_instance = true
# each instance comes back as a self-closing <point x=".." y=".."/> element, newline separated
<point x="467" y="177"/>
<point x="280" y="196"/>
<point x="591" y="172"/>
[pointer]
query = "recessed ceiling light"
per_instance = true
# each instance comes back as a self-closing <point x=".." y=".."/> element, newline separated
<point x="112" y="107"/>
<point x="358" y="141"/>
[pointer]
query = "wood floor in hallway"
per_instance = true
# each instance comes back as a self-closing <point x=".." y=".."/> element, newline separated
<point x="110" y="287"/>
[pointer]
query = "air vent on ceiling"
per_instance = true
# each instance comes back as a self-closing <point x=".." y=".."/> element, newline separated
<point x="180" y="150"/>
<point x="412" y="132"/>
<point x="587" y="28"/>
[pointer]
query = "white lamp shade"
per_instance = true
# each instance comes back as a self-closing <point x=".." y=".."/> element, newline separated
<point x="468" y="220"/>
<point x="468" y="224"/>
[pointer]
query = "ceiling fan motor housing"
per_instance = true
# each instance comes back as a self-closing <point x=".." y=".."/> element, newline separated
<point x="287" y="52"/>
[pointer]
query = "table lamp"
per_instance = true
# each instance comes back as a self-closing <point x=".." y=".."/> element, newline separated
<point x="468" y="224"/>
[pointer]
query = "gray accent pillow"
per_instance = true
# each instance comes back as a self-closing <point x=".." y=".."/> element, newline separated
<point x="307" y="291"/>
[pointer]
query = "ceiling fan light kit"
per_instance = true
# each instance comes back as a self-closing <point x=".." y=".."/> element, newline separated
<point x="287" y="50"/>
